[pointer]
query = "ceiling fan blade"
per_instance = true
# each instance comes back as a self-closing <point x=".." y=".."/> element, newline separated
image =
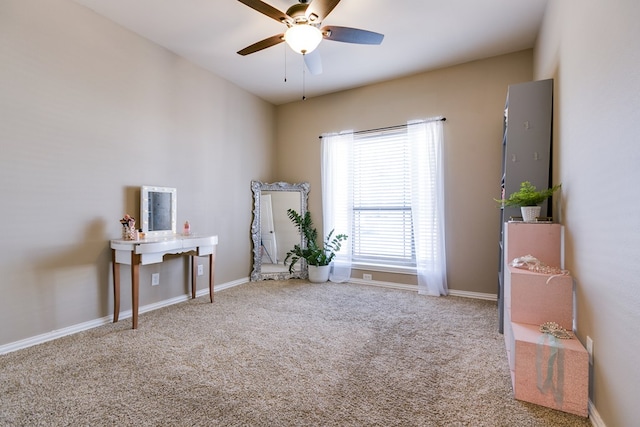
<point x="351" y="35"/>
<point x="266" y="9"/>
<point x="319" y="9"/>
<point x="313" y="61"/>
<point x="262" y="44"/>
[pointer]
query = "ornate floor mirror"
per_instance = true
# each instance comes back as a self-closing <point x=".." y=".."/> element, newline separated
<point x="272" y="232"/>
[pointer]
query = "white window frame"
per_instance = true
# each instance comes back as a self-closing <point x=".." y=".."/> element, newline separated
<point x="391" y="141"/>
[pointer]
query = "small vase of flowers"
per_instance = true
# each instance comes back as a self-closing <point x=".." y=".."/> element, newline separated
<point x="129" y="231"/>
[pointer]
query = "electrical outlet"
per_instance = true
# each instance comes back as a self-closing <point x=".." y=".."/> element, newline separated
<point x="155" y="279"/>
<point x="200" y="269"/>
<point x="590" y="349"/>
<point x="367" y="276"/>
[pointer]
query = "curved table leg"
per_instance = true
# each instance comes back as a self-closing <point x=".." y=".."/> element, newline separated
<point x="135" y="286"/>
<point x="194" y="269"/>
<point x="115" y="269"/>
<point x="212" y="265"/>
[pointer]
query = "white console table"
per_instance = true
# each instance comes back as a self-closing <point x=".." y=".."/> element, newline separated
<point x="152" y="251"/>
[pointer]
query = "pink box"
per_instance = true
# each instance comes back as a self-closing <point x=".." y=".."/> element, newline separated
<point x="508" y="339"/>
<point x="543" y="241"/>
<point x="530" y="299"/>
<point x="549" y="371"/>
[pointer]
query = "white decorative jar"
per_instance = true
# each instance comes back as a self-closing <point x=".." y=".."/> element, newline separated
<point x="530" y="213"/>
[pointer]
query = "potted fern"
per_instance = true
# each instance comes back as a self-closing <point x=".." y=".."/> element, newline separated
<point x="529" y="198"/>
<point x="318" y="257"/>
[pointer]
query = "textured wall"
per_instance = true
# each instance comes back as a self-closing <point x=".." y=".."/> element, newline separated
<point x="592" y="49"/>
<point x="471" y="96"/>
<point x="89" y="112"/>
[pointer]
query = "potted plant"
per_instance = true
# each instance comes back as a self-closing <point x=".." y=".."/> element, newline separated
<point x="529" y="198"/>
<point x="318" y="257"/>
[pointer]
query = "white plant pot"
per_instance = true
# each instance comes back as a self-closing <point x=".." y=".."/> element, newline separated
<point x="319" y="274"/>
<point x="530" y="213"/>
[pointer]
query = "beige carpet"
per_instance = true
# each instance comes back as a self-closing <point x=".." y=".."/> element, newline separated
<point x="278" y="354"/>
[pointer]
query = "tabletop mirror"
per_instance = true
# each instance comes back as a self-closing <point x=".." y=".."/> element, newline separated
<point x="272" y="232"/>
<point x="158" y="206"/>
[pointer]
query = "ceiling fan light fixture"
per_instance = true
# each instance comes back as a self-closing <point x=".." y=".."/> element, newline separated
<point x="303" y="38"/>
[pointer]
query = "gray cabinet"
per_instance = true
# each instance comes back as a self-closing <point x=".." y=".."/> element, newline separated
<point x="526" y="153"/>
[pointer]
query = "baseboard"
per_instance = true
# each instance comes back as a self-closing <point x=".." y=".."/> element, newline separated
<point x="414" y="288"/>
<point x="474" y="295"/>
<point x="222" y="287"/>
<point x="70" y="330"/>
<point x="390" y="285"/>
<point x="594" y="416"/>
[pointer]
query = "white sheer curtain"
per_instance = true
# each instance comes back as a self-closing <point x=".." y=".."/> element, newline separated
<point x="425" y="139"/>
<point x="337" y="197"/>
<point x="427" y="205"/>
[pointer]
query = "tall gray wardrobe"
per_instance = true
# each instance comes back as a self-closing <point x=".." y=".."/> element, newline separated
<point x="526" y="154"/>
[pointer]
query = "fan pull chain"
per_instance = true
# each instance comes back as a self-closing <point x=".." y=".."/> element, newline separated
<point x="304" y="97"/>
<point x="285" y="63"/>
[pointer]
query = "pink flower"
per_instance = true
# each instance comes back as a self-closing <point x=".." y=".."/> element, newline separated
<point x="128" y="220"/>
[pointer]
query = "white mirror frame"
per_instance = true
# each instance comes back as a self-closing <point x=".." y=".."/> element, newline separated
<point x="258" y="187"/>
<point x="145" y="191"/>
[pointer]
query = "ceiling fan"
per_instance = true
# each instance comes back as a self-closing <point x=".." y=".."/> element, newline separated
<point x="303" y="33"/>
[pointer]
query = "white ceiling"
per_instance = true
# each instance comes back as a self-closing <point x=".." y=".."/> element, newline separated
<point x="420" y="35"/>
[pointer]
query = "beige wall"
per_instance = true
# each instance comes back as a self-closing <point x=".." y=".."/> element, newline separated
<point x="472" y="97"/>
<point x="89" y="112"/>
<point x="592" y="49"/>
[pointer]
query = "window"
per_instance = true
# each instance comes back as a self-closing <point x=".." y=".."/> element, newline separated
<point x="382" y="222"/>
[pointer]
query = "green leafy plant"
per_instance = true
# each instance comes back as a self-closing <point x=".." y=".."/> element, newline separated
<point x="312" y="253"/>
<point x="528" y="195"/>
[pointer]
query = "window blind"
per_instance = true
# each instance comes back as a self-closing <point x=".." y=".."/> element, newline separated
<point x="382" y="228"/>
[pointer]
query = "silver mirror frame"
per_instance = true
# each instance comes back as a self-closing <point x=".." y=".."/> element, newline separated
<point x="257" y="187"/>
